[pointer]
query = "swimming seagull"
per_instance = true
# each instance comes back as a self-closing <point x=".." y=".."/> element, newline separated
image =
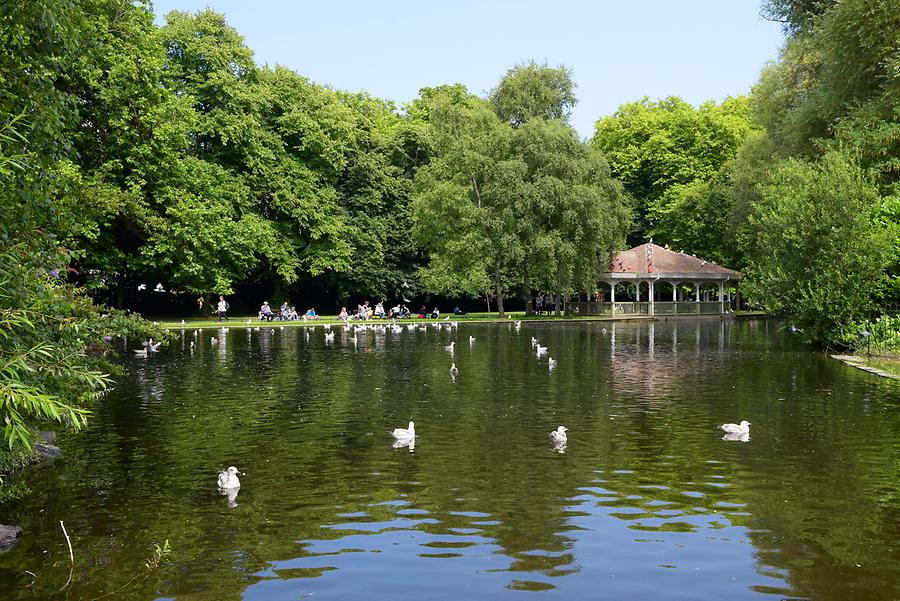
<point x="558" y="436"/>
<point x="541" y="350"/>
<point x="404" y="434"/>
<point x="471" y="340"/>
<point x="450" y="347"/>
<point x="228" y="478"/>
<point x="742" y="428"/>
<point x="534" y="341"/>
<point x="159" y="288"/>
<point x="453" y="370"/>
<point x="551" y="363"/>
<point x="142" y="287"/>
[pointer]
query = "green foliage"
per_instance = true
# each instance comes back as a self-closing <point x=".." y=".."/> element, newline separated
<point x="815" y="253"/>
<point x="662" y="151"/>
<point x="885" y="334"/>
<point x="509" y="200"/>
<point x="530" y="90"/>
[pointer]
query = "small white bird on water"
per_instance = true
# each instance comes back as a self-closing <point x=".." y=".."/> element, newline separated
<point x="540" y="350"/>
<point x="551" y="363"/>
<point x="453" y="370"/>
<point x="404" y="434"/>
<point x="558" y="436"/>
<point x="471" y="340"/>
<point x="449" y="348"/>
<point x="228" y="478"/>
<point x="742" y="428"/>
<point x="142" y="287"/>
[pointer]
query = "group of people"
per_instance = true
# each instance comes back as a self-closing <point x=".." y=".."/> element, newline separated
<point x="544" y="303"/>
<point x="285" y="313"/>
<point x="365" y="311"/>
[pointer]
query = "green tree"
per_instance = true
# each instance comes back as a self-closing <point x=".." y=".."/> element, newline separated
<point x="663" y="150"/>
<point x="815" y="253"/>
<point x="532" y="90"/>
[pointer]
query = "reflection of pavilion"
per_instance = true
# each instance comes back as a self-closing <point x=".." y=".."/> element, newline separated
<point x="654" y="273"/>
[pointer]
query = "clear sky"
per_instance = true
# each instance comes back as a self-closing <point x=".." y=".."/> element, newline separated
<point x="619" y="50"/>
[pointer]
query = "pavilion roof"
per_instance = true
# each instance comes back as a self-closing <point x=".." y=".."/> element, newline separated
<point x="651" y="258"/>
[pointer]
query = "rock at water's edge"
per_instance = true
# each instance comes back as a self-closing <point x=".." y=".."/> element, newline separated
<point x="8" y="536"/>
<point x="46" y="450"/>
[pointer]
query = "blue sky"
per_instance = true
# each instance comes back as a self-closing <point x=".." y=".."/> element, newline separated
<point x="619" y="51"/>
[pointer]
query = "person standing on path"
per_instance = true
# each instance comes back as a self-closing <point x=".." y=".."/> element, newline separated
<point x="222" y="309"/>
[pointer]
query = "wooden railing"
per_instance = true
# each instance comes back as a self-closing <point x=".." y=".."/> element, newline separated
<point x="643" y="308"/>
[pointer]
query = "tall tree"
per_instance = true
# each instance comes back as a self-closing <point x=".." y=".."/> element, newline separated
<point x="659" y="150"/>
<point x="533" y="90"/>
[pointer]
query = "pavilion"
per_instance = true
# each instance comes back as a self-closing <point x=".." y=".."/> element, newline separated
<point x="652" y="280"/>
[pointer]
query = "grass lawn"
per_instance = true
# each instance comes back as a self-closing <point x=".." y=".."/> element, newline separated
<point x="888" y="364"/>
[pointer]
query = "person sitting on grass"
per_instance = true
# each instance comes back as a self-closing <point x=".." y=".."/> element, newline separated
<point x="422" y="312"/>
<point x="460" y="312"/>
<point x="436" y="314"/>
<point x="292" y="314"/>
<point x="310" y="315"/>
<point x="265" y="312"/>
<point x="284" y="312"/>
<point x="379" y="310"/>
<point x="344" y="316"/>
<point x="404" y="311"/>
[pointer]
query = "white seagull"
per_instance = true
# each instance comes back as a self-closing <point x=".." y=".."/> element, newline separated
<point x="558" y="436"/>
<point x="471" y="340"/>
<point x="551" y="363"/>
<point x="453" y="370"/>
<point x="142" y="287"/>
<point x="540" y="350"/>
<point x="404" y="434"/>
<point x="742" y="428"/>
<point x="228" y="478"/>
<point x="449" y="348"/>
<point x="159" y="288"/>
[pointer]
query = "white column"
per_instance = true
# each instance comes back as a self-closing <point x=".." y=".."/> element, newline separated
<point x="697" y="301"/>
<point x="651" y="298"/>
<point x="637" y="292"/>
<point x="721" y="298"/>
<point x="674" y="292"/>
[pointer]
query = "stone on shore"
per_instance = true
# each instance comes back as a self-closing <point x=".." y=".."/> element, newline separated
<point x="8" y="535"/>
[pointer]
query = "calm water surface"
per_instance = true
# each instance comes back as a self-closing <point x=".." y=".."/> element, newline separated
<point x="646" y="502"/>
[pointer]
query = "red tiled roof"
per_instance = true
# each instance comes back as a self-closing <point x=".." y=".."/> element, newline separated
<point x="651" y="258"/>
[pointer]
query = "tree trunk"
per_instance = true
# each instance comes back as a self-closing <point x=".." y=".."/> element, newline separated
<point x="120" y="297"/>
<point x="557" y="294"/>
<point x="499" y="285"/>
<point x="526" y="290"/>
<point x="487" y="299"/>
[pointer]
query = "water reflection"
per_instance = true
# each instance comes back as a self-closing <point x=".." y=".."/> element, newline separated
<point x="648" y="502"/>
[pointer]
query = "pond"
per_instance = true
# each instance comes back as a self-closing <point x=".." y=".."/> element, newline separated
<point x="647" y="501"/>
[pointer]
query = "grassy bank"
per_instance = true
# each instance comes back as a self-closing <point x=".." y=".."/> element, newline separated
<point x="245" y="321"/>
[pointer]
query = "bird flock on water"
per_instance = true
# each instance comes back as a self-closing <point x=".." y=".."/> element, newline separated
<point x="227" y="480"/>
